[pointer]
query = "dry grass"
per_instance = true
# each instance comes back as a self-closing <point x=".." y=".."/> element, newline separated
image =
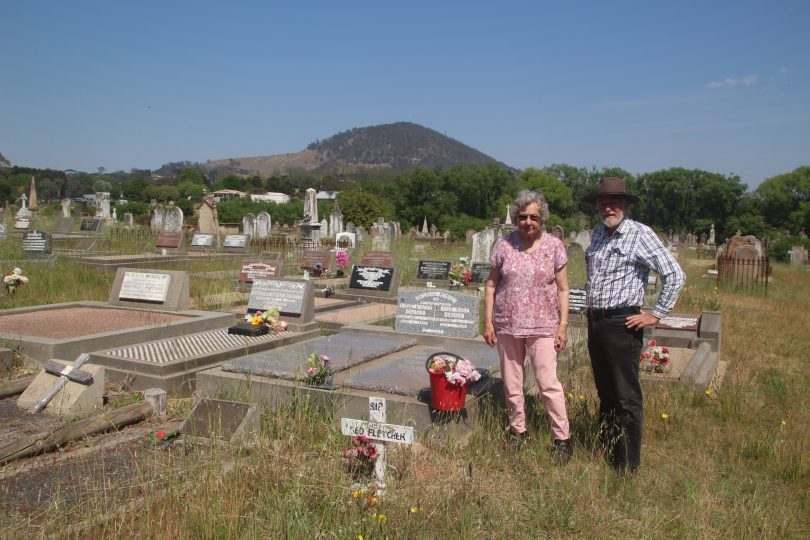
<point x="732" y="464"/>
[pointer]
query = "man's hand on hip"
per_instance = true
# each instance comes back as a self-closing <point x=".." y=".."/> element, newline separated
<point x="641" y="320"/>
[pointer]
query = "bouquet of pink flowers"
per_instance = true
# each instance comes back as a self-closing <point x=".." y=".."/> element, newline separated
<point x="342" y="259"/>
<point x="14" y="279"/>
<point x="655" y="358"/>
<point x="319" y="369"/>
<point x="457" y="370"/>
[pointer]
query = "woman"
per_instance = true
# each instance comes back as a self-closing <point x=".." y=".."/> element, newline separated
<point x="526" y="310"/>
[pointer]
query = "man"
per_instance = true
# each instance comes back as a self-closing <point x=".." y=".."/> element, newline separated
<point x="619" y="260"/>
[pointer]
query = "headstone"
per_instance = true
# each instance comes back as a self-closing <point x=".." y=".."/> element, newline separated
<point x="376" y="429"/>
<point x="263" y="223"/>
<point x="425" y="230"/>
<point x="798" y="255"/>
<point x="703" y="237"/>
<point x="158" y="218"/>
<point x="293" y="298"/>
<point x="90" y="225"/>
<point x="249" y="225"/>
<point x="207" y="221"/>
<point x="200" y="241"/>
<point x="583" y="239"/>
<point x="577" y="300"/>
<point x="63" y="225"/>
<point x="253" y="270"/>
<point x="436" y="312"/>
<point x="711" y="236"/>
<point x="480" y="272"/>
<point x="115" y="215"/>
<point x="169" y="240"/>
<point x="129" y="220"/>
<point x="433" y="269"/>
<point x="174" y="220"/>
<point x="71" y="398"/>
<point x="236" y="242"/>
<point x="150" y="289"/>
<point x="482" y="243"/>
<point x="317" y="256"/>
<point x="33" y="202"/>
<point x="103" y="205"/>
<point x="66" y="207"/>
<point x="335" y="221"/>
<point x="371" y="278"/>
<point x="22" y="223"/>
<point x="36" y="243"/>
<point x="379" y="258"/>
<point x="3" y="231"/>
<point x="345" y="237"/>
<point x="311" y="211"/>
<point x="558" y="232"/>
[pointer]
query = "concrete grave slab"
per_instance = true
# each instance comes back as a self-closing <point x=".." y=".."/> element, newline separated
<point x="344" y="351"/>
<point x="73" y="400"/>
<point x="217" y="419"/>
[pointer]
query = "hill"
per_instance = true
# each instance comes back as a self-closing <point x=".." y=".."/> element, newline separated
<point x="397" y="147"/>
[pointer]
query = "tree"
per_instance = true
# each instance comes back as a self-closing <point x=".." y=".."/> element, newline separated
<point x="559" y="196"/>
<point x="421" y="195"/>
<point x="359" y="207"/>
<point x="784" y="199"/>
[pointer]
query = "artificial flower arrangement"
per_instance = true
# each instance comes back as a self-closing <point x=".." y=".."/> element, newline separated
<point x="319" y="270"/>
<point x="460" y="274"/>
<point x="14" y="279"/>
<point x="655" y="358"/>
<point x="342" y="259"/>
<point x="361" y="456"/>
<point x="455" y="369"/>
<point x="270" y="318"/>
<point x="319" y="369"/>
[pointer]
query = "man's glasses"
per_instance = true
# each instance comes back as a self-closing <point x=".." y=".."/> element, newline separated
<point x="533" y="217"/>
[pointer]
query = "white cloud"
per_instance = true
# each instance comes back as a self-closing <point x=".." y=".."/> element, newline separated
<point x="729" y="82"/>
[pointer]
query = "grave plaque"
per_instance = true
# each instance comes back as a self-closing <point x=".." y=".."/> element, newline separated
<point x="480" y="272"/>
<point x="168" y="239"/>
<point x="89" y="225"/>
<point x="378" y="258"/>
<point x="443" y="313"/>
<point x="287" y="296"/>
<point x="577" y="300"/>
<point x="433" y="269"/>
<point x="235" y="241"/>
<point x="22" y="223"/>
<point x="3" y="231"/>
<point x="202" y="241"/>
<point x="313" y="257"/>
<point x="375" y="278"/>
<point x="678" y="323"/>
<point x="36" y="243"/>
<point x="253" y="270"/>
<point x="145" y="287"/>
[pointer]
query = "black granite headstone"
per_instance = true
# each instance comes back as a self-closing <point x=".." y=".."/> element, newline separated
<point x="577" y="300"/>
<point x="480" y="272"/>
<point x="36" y="243"/>
<point x="375" y="278"/>
<point x="89" y="225"/>
<point x="433" y="269"/>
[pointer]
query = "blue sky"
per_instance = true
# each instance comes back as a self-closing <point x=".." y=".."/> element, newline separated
<point x="645" y="85"/>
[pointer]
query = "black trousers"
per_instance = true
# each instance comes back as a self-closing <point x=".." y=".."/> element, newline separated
<point x="615" y="351"/>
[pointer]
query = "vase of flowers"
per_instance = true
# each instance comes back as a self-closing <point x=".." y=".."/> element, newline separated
<point x="14" y="279"/>
<point x="460" y="274"/>
<point x="342" y="259"/>
<point x="449" y="375"/>
<point x="319" y="370"/>
<point x="655" y="358"/>
<point x="318" y="270"/>
<point x="360" y="458"/>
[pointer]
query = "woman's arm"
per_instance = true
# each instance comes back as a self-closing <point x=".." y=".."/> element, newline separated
<point x="561" y="278"/>
<point x="489" y="306"/>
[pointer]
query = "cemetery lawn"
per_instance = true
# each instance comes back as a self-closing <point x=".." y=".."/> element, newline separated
<point x="729" y="463"/>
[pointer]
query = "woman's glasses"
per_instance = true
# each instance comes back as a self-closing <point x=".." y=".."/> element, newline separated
<point x="533" y="217"/>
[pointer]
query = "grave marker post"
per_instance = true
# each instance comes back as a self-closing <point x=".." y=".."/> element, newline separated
<point x="377" y="430"/>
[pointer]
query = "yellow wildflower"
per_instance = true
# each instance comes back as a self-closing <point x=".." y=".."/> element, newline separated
<point x="382" y="519"/>
<point x="414" y="509"/>
<point x="664" y="416"/>
<point x="709" y="392"/>
<point x="582" y="397"/>
<point x="569" y="395"/>
<point x="355" y="494"/>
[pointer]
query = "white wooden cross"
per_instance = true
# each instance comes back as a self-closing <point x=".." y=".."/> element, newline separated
<point x="376" y="429"/>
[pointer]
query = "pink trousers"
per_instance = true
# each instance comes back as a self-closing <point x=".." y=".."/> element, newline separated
<point x="543" y="359"/>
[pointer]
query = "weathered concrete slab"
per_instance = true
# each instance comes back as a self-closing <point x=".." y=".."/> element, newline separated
<point x="407" y="375"/>
<point x="344" y="350"/>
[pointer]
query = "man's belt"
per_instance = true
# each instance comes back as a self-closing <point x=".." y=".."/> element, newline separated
<point x="596" y="314"/>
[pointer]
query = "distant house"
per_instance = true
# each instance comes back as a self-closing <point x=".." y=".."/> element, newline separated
<point x="226" y="194"/>
<point x="327" y="195"/>
<point x="270" y="196"/>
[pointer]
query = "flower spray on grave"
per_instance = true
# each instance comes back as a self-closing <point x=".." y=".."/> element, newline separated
<point x="460" y="274"/>
<point x="14" y="279"/>
<point x="449" y="375"/>
<point x="360" y="458"/>
<point x="319" y="270"/>
<point x="655" y="358"/>
<point x="342" y="259"/>
<point x="271" y="318"/>
<point x="319" y="370"/>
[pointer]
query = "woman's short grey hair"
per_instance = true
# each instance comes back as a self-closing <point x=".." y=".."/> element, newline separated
<point x="524" y="199"/>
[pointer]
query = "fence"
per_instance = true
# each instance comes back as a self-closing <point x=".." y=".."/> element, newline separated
<point x="748" y="274"/>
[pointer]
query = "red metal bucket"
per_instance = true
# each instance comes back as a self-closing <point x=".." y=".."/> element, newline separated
<point x="446" y="396"/>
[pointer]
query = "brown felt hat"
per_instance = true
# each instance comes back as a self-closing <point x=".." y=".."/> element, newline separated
<point x="611" y="185"/>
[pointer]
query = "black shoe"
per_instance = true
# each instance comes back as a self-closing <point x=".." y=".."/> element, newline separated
<point x="562" y="451"/>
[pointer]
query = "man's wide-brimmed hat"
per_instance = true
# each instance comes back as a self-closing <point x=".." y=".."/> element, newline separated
<point x="611" y="185"/>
